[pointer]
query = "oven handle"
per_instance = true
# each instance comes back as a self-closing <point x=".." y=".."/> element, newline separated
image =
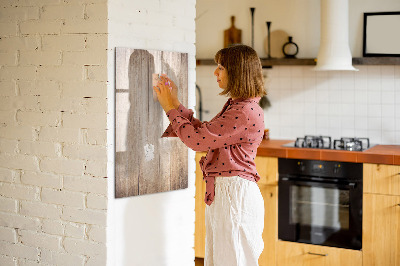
<point x="297" y="181"/>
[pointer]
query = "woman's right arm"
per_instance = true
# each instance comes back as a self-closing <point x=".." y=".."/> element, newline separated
<point x="188" y="114"/>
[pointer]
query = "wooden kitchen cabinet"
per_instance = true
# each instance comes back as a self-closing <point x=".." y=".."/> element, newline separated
<point x="267" y="168"/>
<point x="381" y="215"/>
<point x="200" y="207"/>
<point x="270" y="233"/>
<point x="298" y="254"/>
<point x="381" y="179"/>
<point x="381" y="230"/>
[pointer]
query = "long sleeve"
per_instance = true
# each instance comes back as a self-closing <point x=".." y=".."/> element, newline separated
<point x="225" y="130"/>
<point x="186" y="113"/>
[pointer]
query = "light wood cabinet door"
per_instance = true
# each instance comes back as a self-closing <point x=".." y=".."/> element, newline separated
<point x="267" y="168"/>
<point x="381" y="230"/>
<point x="270" y="233"/>
<point x="200" y="207"/>
<point x="297" y="254"/>
<point x="381" y="179"/>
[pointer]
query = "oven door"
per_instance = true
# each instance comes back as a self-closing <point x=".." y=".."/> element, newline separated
<point x="321" y="212"/>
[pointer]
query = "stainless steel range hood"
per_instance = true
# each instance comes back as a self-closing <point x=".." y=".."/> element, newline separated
<point x="334" y="52"/>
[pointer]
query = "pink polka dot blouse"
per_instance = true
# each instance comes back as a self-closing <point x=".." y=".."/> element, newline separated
<point x="231" y="139"/>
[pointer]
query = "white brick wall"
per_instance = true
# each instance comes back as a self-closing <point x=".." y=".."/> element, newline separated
<point x="53" y="110"/>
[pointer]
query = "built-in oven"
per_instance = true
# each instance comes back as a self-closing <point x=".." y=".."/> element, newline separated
<point x="320" y="202"/>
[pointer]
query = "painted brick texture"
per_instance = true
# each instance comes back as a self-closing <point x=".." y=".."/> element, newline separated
<point x="53" y="111"/>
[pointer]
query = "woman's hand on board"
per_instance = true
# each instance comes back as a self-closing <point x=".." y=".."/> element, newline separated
<point x="164" y="94"/>
<point x="174" y="89"/>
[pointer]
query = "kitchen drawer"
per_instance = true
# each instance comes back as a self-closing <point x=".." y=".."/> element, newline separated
<point x="381" y="179"/>
<point x="298" y="254"/>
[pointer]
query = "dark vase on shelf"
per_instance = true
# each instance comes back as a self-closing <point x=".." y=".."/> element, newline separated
<point x="290" y="49"/>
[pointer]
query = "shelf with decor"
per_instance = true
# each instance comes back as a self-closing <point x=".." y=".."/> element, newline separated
<point x="312" y="61"/>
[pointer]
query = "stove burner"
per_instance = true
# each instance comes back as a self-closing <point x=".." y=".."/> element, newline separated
<point x="308" y="141"/>
<point x="351" y="144"/>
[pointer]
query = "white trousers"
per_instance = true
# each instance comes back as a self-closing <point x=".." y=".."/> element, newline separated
<point x="234" y="223"/>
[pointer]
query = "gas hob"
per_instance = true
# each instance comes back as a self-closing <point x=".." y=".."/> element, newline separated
<point x="325" y="142"/>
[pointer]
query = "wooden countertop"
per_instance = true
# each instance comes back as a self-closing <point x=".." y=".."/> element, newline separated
<point x="379" y="154"/>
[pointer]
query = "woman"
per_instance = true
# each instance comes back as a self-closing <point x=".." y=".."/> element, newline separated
<point x="235" y="207"/>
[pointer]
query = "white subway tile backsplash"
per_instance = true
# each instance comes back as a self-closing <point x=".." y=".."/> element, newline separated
<point x="297" y="72"/>
<point x="348" y="133"/>
<point x="360" y="97"/>
<point x="388" y="84"/>
<point x="361" y="123"/>
<point x="297" y="83"/>
<point x="388" y="97"/>
<point x="374" y="123"/>
<point x="348" y="122"/>
<point x="310" y="109"/>
<point x="397" y="72"/>
<point x="284" y="72"/>
<point x="361" y="110"/>
<point x="375" y="136"/>
<point x="374" y="97"/>
<point x="322" y="121"/>
<point x="322" y="95"/>
<point x="334" y="109"/>
<point x="388" y="111"/>
<point x="388" y="124"/>
<point x="284" y="83"/>
<point x="374" y="84"/>
<point x="335" y="95"/>
<point x="310" y="95"/>
<point x="322" y="109"/>
<point x="397" y="110"/>
<point x="348" y="96"/>
<point x="347" y="110"/>
<point x="374" y="111"/>
<point x="338" y="104"/>
<point x="389" y="136"/>
<point x="387" y="72"/>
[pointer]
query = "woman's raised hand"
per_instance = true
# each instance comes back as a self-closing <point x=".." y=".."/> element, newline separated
<point x="164" y="95"/>
<point x="174" y="89"/>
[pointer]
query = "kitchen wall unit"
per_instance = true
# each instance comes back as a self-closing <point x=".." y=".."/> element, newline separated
<point x="381" y="215"/>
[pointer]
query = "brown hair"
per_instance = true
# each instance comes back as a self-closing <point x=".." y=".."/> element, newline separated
<point x="245" y="78"/>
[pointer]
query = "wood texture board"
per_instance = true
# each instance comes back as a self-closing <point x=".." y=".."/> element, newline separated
<point x="145" y="163"/>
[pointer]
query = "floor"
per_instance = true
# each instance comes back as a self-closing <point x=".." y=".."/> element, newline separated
<point x="199" y="262"/>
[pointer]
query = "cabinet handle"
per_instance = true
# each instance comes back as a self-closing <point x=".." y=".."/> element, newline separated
<point x="318" y="254"/>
